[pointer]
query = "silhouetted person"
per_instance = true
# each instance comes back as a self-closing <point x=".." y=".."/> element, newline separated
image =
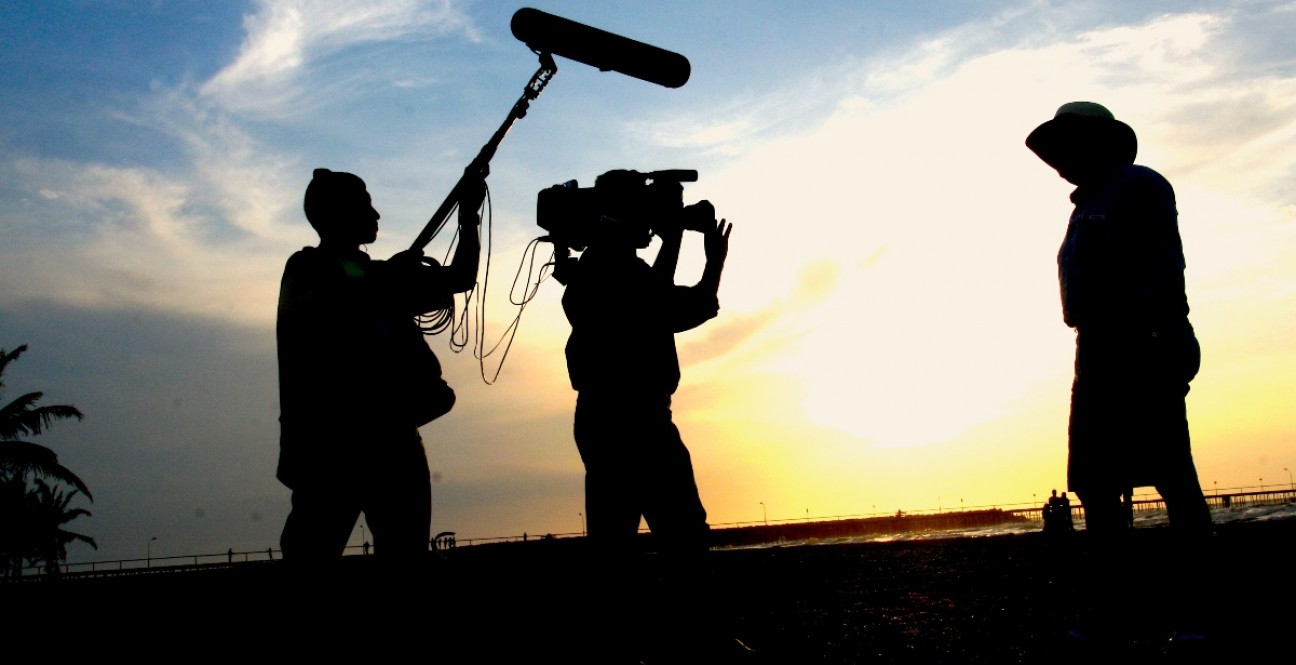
<point x="622" y="362"/>
<point x="1064" y="506"/>
<point x="357" y="379"/>
<point x="1121" y="271"/>
<point x="1121" y="274"/>
<point x="1052" y="513"/>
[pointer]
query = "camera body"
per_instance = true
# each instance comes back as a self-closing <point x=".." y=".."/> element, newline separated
<point x="574" y="216"/>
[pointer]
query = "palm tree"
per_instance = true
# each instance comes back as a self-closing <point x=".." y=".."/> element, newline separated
<point x="31" y="519"/>
<point x="21" y="417"/>
<point x="46" y="513"/>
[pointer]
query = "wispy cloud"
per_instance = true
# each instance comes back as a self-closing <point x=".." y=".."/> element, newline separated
<point x="135" y="237"/>
<point x="286" y="38"/>
<point x="206" y="234"/>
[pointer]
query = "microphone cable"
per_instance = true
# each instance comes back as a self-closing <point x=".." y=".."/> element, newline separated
<point x="465" y="331"/>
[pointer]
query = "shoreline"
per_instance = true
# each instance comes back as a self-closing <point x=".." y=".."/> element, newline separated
<point x="989" y="599"/>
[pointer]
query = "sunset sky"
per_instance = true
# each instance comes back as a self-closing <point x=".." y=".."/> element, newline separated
<point x="890" y="335"/>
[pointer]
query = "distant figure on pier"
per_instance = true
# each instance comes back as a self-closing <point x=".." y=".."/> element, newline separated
<point x="443" y="541"/>
<point x="1056" y="514"/>
<point x="1052" y="514"/>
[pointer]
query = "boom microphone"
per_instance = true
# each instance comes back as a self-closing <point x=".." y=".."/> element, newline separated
<point x="546" y="33"/>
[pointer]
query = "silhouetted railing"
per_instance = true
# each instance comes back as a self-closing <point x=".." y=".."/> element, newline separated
<point x="731" y="533"/>
<point x="167" y="563"/>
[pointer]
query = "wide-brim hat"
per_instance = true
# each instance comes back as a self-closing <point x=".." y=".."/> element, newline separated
<point x="1084" y="127"/>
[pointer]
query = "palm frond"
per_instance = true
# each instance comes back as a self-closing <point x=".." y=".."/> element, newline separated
<point x="21" y="458"/>
<point x="84" y="539"/>
<point x="22" y="416"/>
<point x="7" y="357"/>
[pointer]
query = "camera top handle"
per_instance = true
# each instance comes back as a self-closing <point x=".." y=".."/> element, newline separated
<point x="479" y="168"/>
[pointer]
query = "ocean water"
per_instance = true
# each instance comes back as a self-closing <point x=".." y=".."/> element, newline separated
<point x="1142" y="519"/>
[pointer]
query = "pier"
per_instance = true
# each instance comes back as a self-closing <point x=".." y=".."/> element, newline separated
<point x="728" y="535"/>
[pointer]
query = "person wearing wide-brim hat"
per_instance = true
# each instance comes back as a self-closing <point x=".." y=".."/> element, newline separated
<point x="1121" y="270"/>
<point x="1121" y="273"/>
<point x="1084" y="135"/>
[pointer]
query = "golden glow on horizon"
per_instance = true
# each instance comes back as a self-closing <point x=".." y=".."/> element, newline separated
<point x="915" y="353"/>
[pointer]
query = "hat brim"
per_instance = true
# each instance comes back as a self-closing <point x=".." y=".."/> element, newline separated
<point x="1066" y="136"/>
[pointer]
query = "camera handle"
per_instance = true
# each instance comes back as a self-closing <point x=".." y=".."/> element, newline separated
<point x="479" y="168"/>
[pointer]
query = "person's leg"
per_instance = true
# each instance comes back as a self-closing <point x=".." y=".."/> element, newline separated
<point x="1191" y="586"/>
<point x="1104" y="513"/>
<point x="1177" y="480"/>
<point x="318" y="525"/>
<point x="673" y="507"/>
<point x="398" y="499"/>
<point x="612" y="515"/>
<point x="1101" y="565"/>
<point x="1186" y="505"/>
<point x="699" y="626"/>
<point x="605" y="438"/>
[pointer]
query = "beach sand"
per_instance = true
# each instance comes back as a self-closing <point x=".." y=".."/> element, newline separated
<point x="998" y="599"/>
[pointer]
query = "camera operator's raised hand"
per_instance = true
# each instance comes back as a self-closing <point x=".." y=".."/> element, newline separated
<point x="715" y="240"/>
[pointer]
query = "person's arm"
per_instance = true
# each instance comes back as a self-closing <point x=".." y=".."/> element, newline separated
<point x="461" y="273"/>
<point x="700" y="303"/>
<point x="417" y="285"/>
<point x="671" y="232"/>
<point x="668" y="256"/>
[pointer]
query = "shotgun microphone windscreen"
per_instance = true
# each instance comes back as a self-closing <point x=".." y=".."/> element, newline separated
<point x="546" y="33"/>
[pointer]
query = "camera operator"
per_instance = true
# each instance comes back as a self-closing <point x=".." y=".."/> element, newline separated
<point x="622" y="362"/>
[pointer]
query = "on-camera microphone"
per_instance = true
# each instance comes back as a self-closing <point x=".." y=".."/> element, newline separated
<point x="546" y="33"/>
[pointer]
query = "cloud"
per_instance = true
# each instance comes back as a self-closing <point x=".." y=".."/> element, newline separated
<point x="285" y="39"/>
<point x="206" y="238"/>
<point x="944" y="315"/>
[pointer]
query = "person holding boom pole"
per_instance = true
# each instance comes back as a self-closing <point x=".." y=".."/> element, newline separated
<point x="356" y="377"/>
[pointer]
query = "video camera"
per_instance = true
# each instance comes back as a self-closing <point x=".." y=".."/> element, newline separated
<point x="572" y="214"/>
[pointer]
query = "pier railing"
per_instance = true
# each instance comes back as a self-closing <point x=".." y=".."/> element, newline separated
<point x="735" y="532"/>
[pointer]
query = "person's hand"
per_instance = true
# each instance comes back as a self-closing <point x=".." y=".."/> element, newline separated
<point x="716" y="241"/>
<point x="407" y="257"/>
<point x="471" y="195"/>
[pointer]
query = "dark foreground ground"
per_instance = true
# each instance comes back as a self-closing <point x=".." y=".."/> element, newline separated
<point x="1002" y="599"/>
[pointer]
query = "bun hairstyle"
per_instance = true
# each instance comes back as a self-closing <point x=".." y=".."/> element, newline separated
<point x="323" y="193"/>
